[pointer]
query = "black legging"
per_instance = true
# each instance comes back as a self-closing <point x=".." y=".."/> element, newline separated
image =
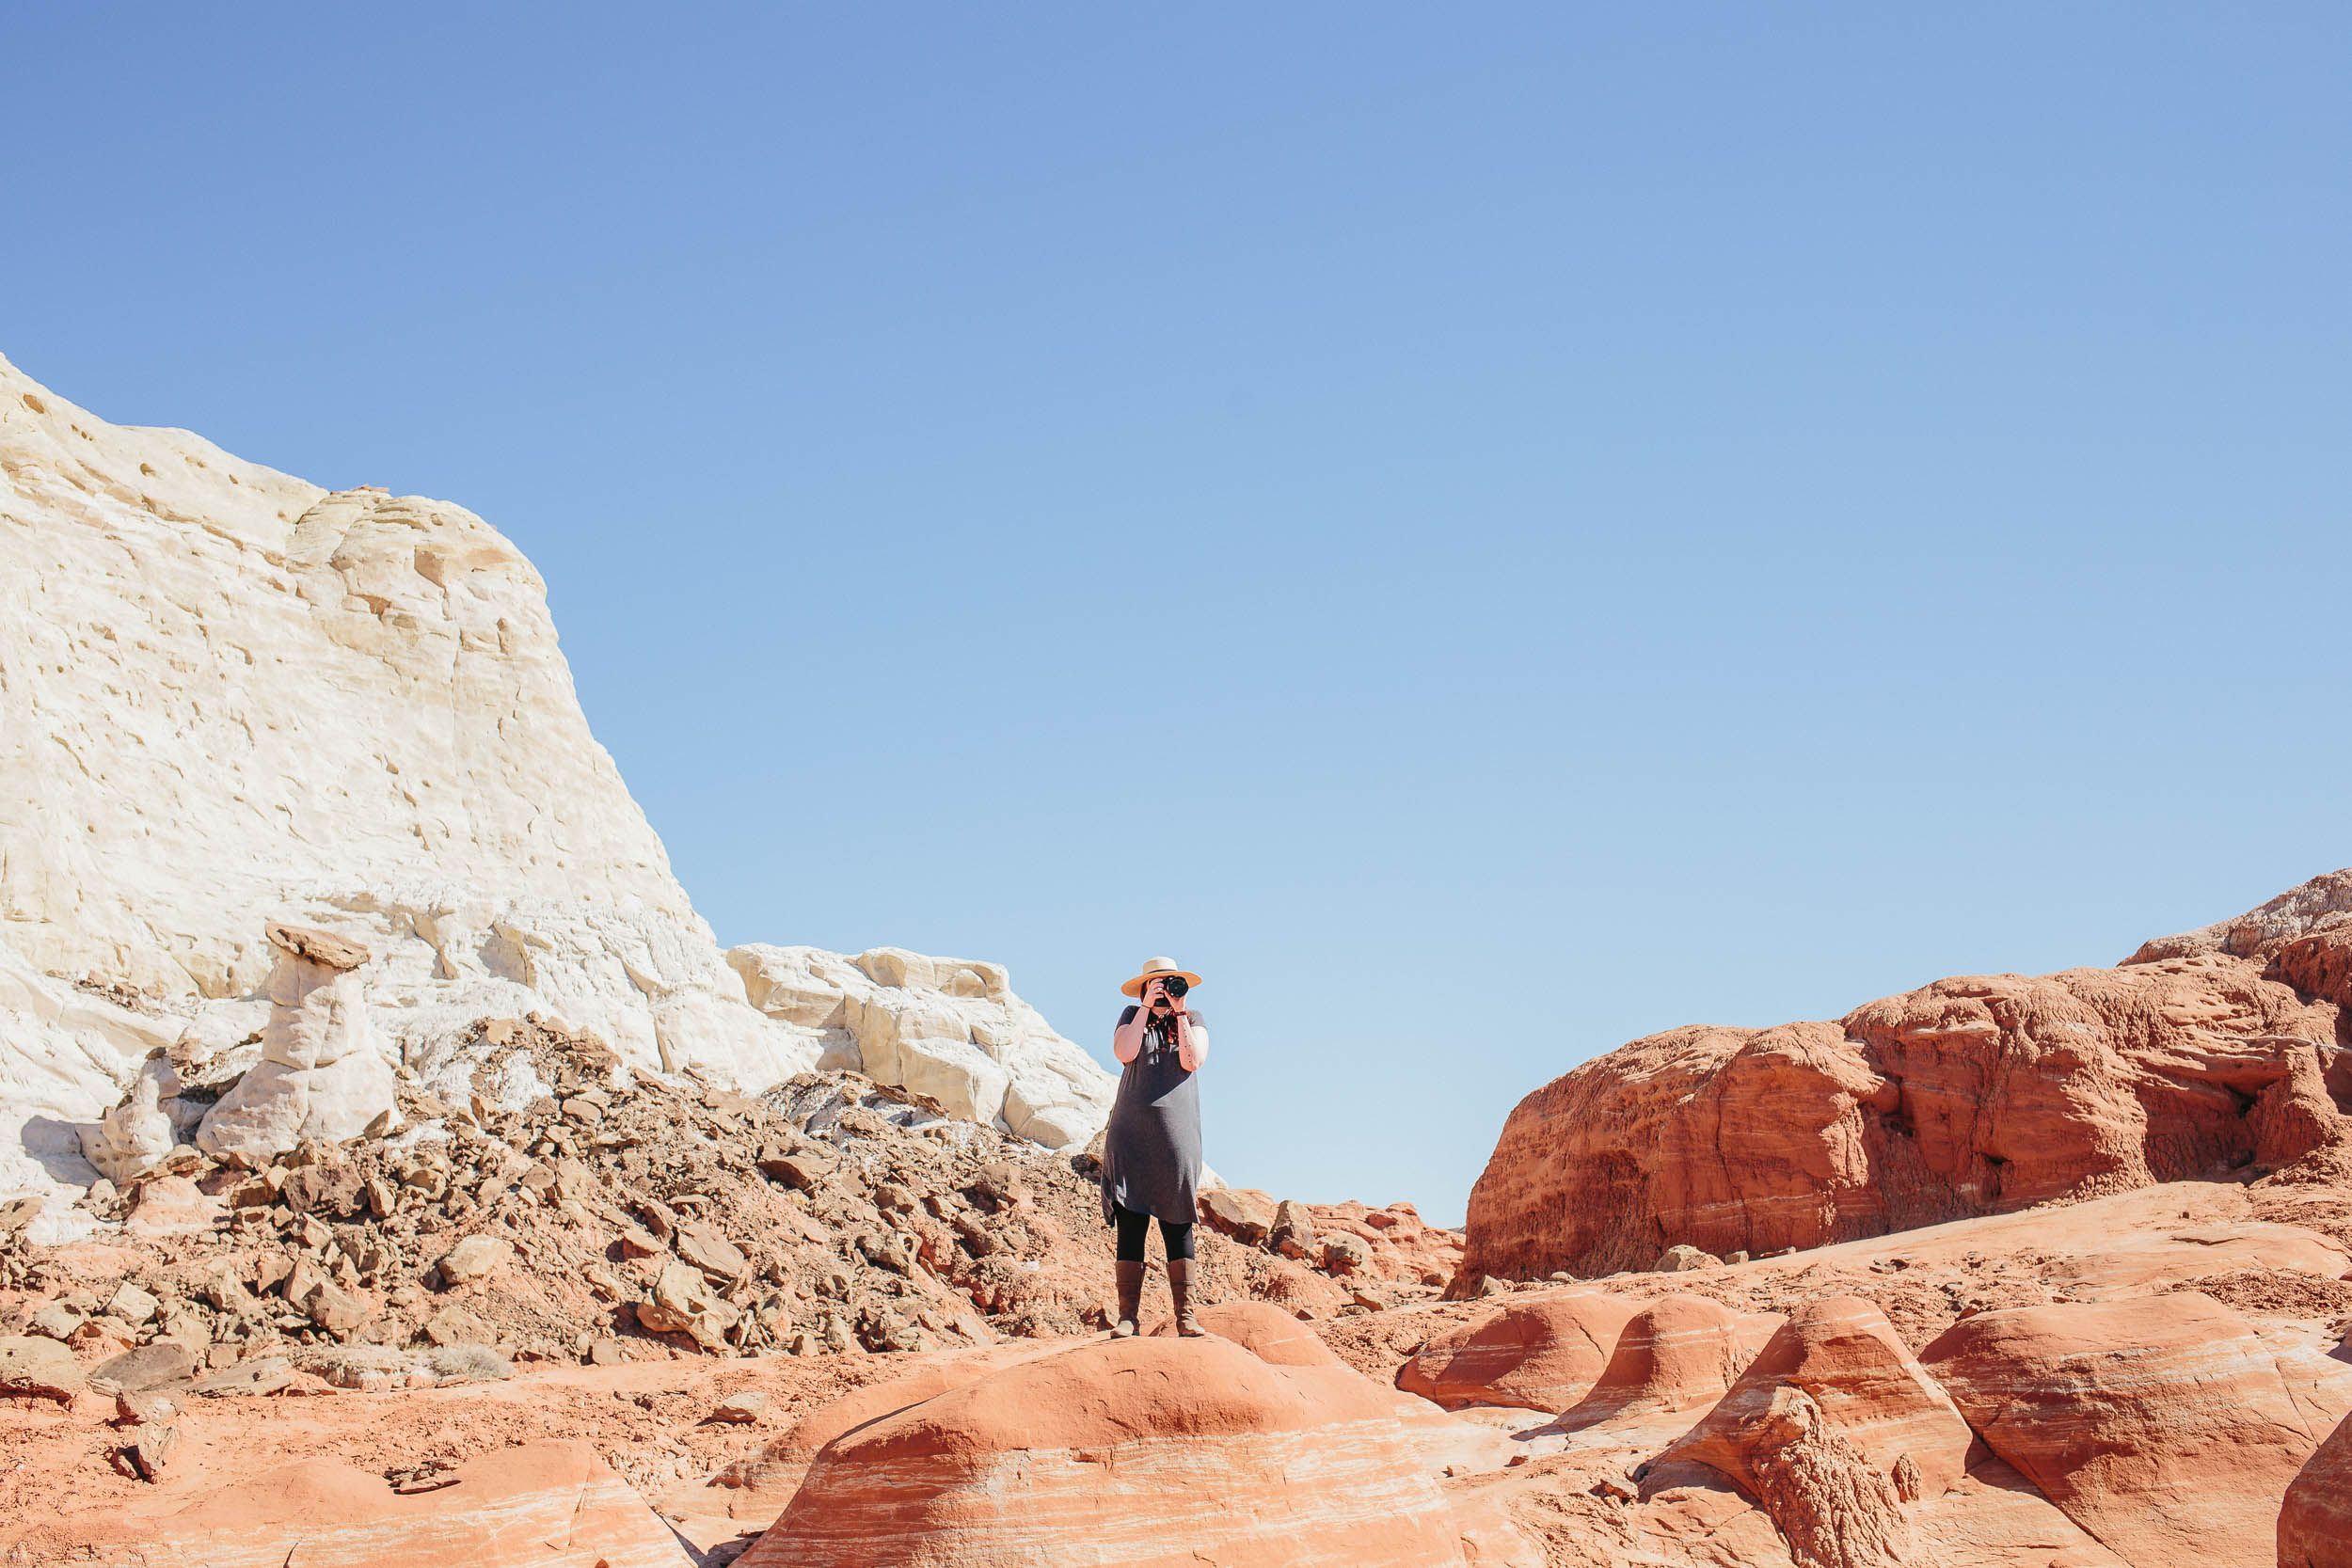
<point x="1135" y="1229"/>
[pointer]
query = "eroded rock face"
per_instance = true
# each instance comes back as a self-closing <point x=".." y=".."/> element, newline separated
<point x="1144" y="1451"/>
<point x="2163" y="1425"/>
<point x="1967" y="1097"/>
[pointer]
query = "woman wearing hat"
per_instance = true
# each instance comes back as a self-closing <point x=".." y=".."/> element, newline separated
<point x="1151" y="1149"/>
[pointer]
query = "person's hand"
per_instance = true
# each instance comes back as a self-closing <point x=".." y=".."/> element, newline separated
<point x="1153" y="991"/>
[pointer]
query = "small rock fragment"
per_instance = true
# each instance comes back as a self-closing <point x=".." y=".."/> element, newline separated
<point x="741" y="1409"/>
<point x="152" y="1450"/>
<point x="132" y="1305"/>
<point x="1682" y="1258"/>
<point x="144" y="1407"/>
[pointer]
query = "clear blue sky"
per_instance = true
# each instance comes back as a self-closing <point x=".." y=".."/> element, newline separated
<point x="1488" y="530"/>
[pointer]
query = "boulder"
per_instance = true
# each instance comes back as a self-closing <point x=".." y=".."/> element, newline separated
<point x="133" y="1137"/>
<point x="266" y="1374"/>
<point x="39" y="1368"/>
<point x="2163" y="1425"/>
<point x="1126" y="1452"/>
<point x="1543" y="1355"/>
<point x="151" y="1450"/>
<point x="743" y="1409"/>
<point x="1678" y="1260"/>
<point x="162" y="1204"/>
<point x="1346" y="1254"/>
<point x="702" y="1246"/>
<point x="1293" y="1233"/>
<point x="682" y="1302"/>
<point x="2315" y="1522"/>
<point x="476" y="1255"/>
<point x="132" y="1305"/>
<point x="149" y="1366"/>
<point x="1241" y="1212"/>
<point x="57" y="1322"/>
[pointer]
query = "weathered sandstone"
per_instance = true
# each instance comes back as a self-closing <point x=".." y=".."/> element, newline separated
<point x="2315" y="1522"/>
<point x="323" y="1073"/>
<point x="1676" y="1356"/>
<point x="1540" y="1356"/>
<point x="1859" y="1382"/>
<point x="1135" y="1452"/>
<point x="2163" y="1425"/>
<point x="1970" y="1096"/>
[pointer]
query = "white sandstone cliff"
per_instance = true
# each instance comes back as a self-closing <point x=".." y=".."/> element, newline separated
<point x="230" y="697"/>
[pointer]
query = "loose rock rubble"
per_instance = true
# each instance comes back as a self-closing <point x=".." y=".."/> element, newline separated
<point x="611" y="1216"/>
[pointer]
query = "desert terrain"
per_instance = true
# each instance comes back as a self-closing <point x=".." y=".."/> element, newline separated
<point x="394" y="1169"/>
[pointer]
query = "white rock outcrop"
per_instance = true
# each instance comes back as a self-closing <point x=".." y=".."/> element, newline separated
<point x="950" y="1028"/>
<point x="228" y="697"/>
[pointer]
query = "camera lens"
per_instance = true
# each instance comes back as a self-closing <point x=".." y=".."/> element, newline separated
<point x="1177" y="985"/>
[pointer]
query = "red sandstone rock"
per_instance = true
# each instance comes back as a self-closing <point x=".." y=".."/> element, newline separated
<point x="754" y="1490"/>
<point x="1676" y="1355"/>
<point x="1538" y="1355"/>
<point x="548" y="1505"/>
<point x="2315" y="1524"/>
<point x="2163" y="1425"/>
<point x="1863" y="1384"/>
<point x="1130" y="1451"/>
<point x="1967" y="1097"/>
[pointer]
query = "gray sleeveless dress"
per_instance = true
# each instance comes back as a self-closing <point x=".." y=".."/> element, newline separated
<point x="1151" y="1149"/>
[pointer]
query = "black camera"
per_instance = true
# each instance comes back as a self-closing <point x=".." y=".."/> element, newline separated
<point x="1175" y="985"/>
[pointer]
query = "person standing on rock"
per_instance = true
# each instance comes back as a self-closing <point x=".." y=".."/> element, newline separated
<point x="1151" y="1148"/>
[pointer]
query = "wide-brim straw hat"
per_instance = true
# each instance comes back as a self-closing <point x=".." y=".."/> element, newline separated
<point x="1154" y="969"/>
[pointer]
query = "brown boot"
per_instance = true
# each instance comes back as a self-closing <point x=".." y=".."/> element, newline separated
<point x="1130" y="1299"/>
<point x="1180" y="1294"/>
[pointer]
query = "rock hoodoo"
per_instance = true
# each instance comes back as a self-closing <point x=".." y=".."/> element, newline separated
<point x="1967" y="1096"/>
<point x="323" y="1073"/>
